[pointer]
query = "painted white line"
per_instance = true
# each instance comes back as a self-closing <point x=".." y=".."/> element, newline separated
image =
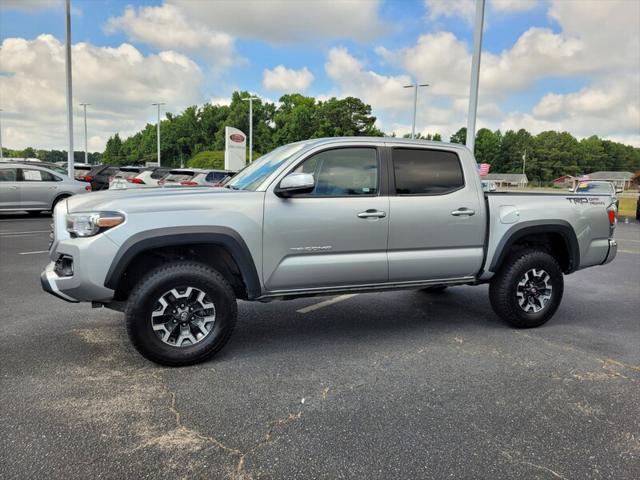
<point x="627" y="240"/>
<point x="24" y="233"/>
<point x="33" y="253"/>
<point x="629" y="251"/>
<point x="326" y="303"/>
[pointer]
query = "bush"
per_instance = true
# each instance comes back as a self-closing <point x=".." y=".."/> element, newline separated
<point x="213" y="159"/>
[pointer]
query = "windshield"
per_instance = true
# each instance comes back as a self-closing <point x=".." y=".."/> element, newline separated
<point x="594" y="188"/>
<point x="252" y="176"/>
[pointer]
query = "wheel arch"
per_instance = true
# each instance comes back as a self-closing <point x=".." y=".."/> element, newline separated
<point x="557" y="235"/>
<point x="221" y="241"/>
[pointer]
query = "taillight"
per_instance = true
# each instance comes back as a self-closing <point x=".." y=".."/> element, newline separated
<point x="87" y="187"/>
<point x="87" y="178"/>
<point x="612" y="216"/>
<point x="135" y="180"/>
<point x="161" y="182"/>
<point x="189" y="184"/>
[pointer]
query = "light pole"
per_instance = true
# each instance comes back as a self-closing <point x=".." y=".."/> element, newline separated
<point x="67" y="61"/>
<point x="475" y="75"/>
<point x="250" y="100"/>
<point x="415" y="104"/>
<point x="86" y="155"/>
<point x="158" y="134"/>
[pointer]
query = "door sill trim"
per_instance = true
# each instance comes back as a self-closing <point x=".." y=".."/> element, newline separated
<point x="306" y="292"/>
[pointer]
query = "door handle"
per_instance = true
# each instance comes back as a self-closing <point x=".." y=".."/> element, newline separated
<point x="463" y="212"/>
<point x="372" y="213"/>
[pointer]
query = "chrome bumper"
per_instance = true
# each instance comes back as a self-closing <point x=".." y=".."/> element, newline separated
<point x="613" y="250"/>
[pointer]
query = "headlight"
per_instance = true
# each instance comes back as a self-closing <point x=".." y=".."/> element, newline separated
<point x="89" y="224"/>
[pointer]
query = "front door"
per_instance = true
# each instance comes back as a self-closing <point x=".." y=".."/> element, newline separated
<point x="9" y="188"/>
<point x="334" y="236"/>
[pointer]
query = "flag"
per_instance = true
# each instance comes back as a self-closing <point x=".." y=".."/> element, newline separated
<point x="483" y="169"/>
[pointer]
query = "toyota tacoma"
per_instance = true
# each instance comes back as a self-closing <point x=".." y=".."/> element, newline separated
<point x="319" y="217"/>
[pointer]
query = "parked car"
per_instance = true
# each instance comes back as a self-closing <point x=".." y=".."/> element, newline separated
<point x="318" y="217"/>
<point x="196" y="177"/>
<point x="33" y="188"/>
<point x="489" y="186"/>
<point x="80" y="170"/>
<point x="138" y="177"/>
<point x="604" y="187"/>
<point x="51" y="166"/>
<point x="100" y="175"/>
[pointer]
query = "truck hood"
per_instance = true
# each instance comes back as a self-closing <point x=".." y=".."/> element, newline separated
<point x="150" y="199"/>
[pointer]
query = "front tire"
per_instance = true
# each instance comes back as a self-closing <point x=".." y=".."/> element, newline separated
<point x="527" y="289"/>
<point x="181" y="313"/>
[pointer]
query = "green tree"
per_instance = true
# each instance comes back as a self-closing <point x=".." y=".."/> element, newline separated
<point x="487" y="146"/>
<point x="460" y="136"/>
<point x="112" y="150"/>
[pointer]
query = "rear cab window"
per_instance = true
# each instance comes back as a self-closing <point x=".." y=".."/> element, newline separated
<point x="421" y="171"/>
<point x="179" y="176"/>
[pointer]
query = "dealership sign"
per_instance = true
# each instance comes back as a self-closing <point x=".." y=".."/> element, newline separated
<point x="235" y="149"/>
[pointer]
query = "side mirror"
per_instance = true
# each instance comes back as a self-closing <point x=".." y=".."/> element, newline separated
<point x="295" y="183"/>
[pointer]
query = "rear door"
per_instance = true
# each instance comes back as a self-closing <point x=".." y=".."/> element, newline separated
<point x="337" y="234"/>
<point x="38" y="188"/>
<point x="9" y="188"/>
<point x="437" y="217"/>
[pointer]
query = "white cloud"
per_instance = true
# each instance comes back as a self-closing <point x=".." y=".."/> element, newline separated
<point x="222" y="101"/>
<point x="167" y="28"/>
<point x="283" y="79"/>
<point x="119" y="83"/>
<point x="284" y="21"/>
<point x="31" y="5"/>
<point x="514" y="5"/>
<point x="451" y="8"/>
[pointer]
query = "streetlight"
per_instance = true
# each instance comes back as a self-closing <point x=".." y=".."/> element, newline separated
<point x="158" y="135"/>
<point x="86" y="155"/>
<point x="67" y="62"/>
<point x="250" y="100"/>
<point x="415" y="104"/>
<point x="475" y="75"/>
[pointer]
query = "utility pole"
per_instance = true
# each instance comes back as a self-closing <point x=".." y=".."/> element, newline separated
<point x="86" y="155"/>
<point x="158" y="134"/>
<point x="475" y="75"/>
<point x="250" y="100"/>
<point x="415" y="104"/>
<point x="1" y="153"/>
<point x="524" y="162"/>
<point x="67" y="61"/>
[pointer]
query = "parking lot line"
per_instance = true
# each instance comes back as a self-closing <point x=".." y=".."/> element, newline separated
<point x="33" y="253"/>
<point x="326" y="303"/>
<point x="23" y="233"/>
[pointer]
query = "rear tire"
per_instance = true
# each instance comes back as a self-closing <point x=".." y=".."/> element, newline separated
<point x="527" y="289"/>
<point x="187" y="326"/>
<point x="55" y="202"/>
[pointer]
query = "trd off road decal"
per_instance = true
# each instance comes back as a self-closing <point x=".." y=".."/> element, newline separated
<point x="586" y="200"/>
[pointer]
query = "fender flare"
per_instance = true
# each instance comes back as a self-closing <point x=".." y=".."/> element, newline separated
<point x="192" y="235"/>
<point x="520" y="230"/>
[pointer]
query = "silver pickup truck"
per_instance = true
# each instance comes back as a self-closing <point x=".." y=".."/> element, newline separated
<point x="319" y="217"/>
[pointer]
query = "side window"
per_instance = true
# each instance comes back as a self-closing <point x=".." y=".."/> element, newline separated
<point x="159" y="173"/>
<point x="210" y="178"/>
<point x="343" y="172"/>
<point x="426" y="172"/>
<point x="8" y="174"/>
<point x="49" y="177"/>
<point x="32" y="175"/>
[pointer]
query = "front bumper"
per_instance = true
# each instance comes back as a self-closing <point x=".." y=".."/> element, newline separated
<point x="49" y="284"/>
<point x="611" y="254"/>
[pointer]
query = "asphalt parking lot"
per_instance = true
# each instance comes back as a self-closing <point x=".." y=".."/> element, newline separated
<point x="376" y="386"/>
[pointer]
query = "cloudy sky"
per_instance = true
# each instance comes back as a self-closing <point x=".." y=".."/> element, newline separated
<point x="546" y="64"/>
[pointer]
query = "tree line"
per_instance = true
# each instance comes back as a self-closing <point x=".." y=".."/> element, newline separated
<point x="51" y="155"/>
<point x="195" y="137"/>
